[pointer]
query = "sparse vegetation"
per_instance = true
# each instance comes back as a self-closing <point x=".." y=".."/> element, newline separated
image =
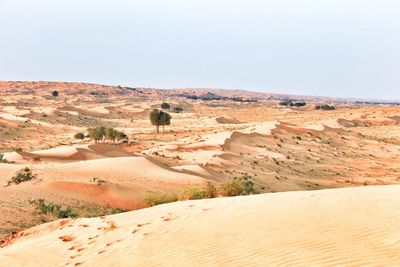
<point x="238" y="186"/>
<point x="36" y="158"/>
<point x="98" y="181"/>
<point x="22" y="175"/>
<point x="177" y="109"/>
<point x="324" y="107"/>
<point x="102" y="133"/>
<point x="51" y="208"/>
<point x="234" y="187"/>
<point x="158" y="199"/>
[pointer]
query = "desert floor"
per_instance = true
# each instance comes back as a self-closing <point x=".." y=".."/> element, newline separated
<point x="278" y="148"/>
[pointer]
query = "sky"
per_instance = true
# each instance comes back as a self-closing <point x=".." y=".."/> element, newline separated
<point x="339" y="48"/>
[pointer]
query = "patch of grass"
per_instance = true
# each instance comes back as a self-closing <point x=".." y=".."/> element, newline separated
<point x="235" y="187"/>
<point x="158" y="199"/>
<point x="51" y="208"/>
<point x="22" y="175"/>
<point x="238" y="186"/>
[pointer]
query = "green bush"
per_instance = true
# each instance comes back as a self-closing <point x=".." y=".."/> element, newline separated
<point x="22" y="175"/>
<point x="80" y="136"/>
<point x="53" y="209"/>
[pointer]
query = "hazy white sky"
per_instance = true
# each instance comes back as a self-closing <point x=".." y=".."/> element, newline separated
<point x="348" y="48"/>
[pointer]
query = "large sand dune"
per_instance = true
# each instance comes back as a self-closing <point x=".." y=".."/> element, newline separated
<point x="346" y="227"/>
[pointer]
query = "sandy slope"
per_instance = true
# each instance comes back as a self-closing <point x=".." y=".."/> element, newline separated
<point x="353" y="226"/>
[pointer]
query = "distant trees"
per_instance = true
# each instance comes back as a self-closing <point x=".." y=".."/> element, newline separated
<point x="102" y="133"/>
<point x="165" y="106"/>
<point x="292" y="104"/>
<point x="158" y="117"/>
<point x="324" y="107"/>
<point x="54" y="93"/>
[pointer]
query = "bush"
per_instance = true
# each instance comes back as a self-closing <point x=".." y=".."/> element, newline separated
<point x="36" y="158"/>
<point x="237" y="187"/>
<point x="22" y="175"/>
<point x="18" y="150"/>
<point x="192" y="193"/>
<point x="177" y="109"/>
<point x="80" y="136"/>
<point x="54" y="93"/>
<point x="53" y="209"/>
<point x="154" y="199"/>
<point x="165" y="106"/>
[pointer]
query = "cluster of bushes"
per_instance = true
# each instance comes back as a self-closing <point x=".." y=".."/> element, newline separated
<point x="102" y="133"/>
<point x="158" y="117"/>
<point x="22" y="175"/>
<point x="211" y="96"/>
<point x="234" y="187"/>
<point x="168" y="106"/>
<point x="53" y="209"/>
<point x="292" y="104"/>
<point x="324" y="107"/>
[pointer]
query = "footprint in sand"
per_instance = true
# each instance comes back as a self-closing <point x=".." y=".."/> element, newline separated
<point x="66" y="238"/>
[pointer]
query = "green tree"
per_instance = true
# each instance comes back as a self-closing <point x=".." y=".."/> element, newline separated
<point x="79" y="136"/>
<point x="158" y="118"/>
<point x="97" y="133"/>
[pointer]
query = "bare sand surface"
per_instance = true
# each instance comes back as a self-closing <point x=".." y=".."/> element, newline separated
<point x="346" y="227"/>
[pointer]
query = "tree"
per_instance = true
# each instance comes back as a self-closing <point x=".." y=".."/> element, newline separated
<point x="79" y="136"/>
<point x="97" y="133"/>
<point x="158" y="118"/>
<point x="121" y="136"/>
<point x="165" y="106"/>
<point x="54" y="93"/>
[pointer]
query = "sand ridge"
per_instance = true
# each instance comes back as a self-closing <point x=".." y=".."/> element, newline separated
<point x="355" y="226"/>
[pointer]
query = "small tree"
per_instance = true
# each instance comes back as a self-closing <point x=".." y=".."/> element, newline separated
<point x="158" y="118"/>
<point x="54" y="93"/>
<point x="97" y="133"/>
<point x="121" y="136"/>
<point x="165" y="106"/>
<point x="80" y="136"/>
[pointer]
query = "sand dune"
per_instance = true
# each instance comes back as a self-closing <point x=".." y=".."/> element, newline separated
<point x="356" y="226"/>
